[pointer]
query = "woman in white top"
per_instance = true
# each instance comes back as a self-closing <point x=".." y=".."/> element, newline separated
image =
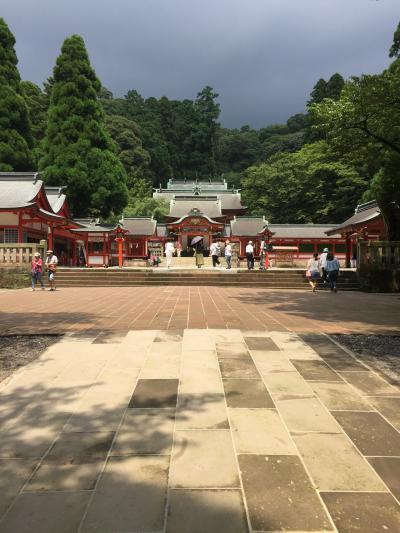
<point x="169" y="250"/>
<point x="313" y="268"/>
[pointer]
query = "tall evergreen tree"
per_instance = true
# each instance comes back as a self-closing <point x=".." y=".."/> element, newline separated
<point x="15" y="136"/>
<point x="78" y="150"/>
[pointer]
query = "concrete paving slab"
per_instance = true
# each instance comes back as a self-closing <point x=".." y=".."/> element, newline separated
<point x="280" y="496"/>
<point x="165" y="366"/>
<point x="340" y="396"/>
<point x="155" y="393"/>
<point x="370" y="433"/>
<point x="79" y="448"/>
<point x="247" y="393"/>
<point x="130" y="496"/>
<point x="65" y="477"/>
<point x="238" y="368"/>
<point x="232" y="350"/>
<point x="344" y="362"/>
<point x="271" y="361"/>
<point x="361" y="512"/>
<point x="197" y="359"/>
<point x="315" y="371"/>
<point x="203" y="459"/>
<point x="14" y="473"/>
<point x="369" y="383"/>
<point x="388" y="407"/>
<point x="388" y="469"/>
<point x="145" y="431"/>
<point x="261" y="343"/>
<point x="201" y="411"/>
<point x="43" y="511"/>
<point x="260" y="431"/>
<point x="286" y="385"/>
<point x="335" y="464"/>
<point x="307" y="414"/>
<point x="213" y="511"/>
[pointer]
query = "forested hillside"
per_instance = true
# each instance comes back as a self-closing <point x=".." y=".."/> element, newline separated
<point x="111" y="151"/>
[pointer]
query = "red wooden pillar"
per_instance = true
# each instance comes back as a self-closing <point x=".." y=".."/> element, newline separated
<point x="348" y="251"/>
<point x="20" y="229"/>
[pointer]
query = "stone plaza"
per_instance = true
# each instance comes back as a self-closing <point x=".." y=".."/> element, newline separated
<point x="198" y="410"/>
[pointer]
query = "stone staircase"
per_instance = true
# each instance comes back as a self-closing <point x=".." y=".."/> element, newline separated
<point x="273" y="279"/>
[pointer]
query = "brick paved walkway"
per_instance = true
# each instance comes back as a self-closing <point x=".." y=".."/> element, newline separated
<point x="198" y="431"/>
<point x="139" y="308"/>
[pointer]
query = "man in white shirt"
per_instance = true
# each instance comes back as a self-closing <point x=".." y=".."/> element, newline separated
<point x="169" y="250"/>
<point x="322" y="262"/>
<point x="228" y="255"/>
<point x="51" y="264"/>
<point x="215" y="252"/>
<point x="250" y="255"/>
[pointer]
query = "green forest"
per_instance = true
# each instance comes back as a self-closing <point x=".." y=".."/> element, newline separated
<point x="112" y="151"/>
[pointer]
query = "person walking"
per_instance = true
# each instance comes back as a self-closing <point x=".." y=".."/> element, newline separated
<point x="332" y="268"/>
<point x="322" y="261"/>
<point x="51" y="264"/>
<point x="250" y="255"/>
<point x="37" y="267"/>
<point x="312" y="272"/>
<point x="199" y="249"/>
<point x="178" y="249"/>
<point x="228" y="255"/>
<point x="169" y="252"/>
<point x="215" y="251"/>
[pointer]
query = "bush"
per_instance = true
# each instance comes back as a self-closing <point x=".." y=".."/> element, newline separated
<point x="14" y="278"/>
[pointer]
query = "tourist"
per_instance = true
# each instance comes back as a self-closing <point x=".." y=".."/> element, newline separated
<point x="215" y="251"/>
<point x="353" y="261"/>
<point x="37" y="266"/>
<point x="199" y="254"/>
<point x="178" y="249"/>
<point x="169" y="252"/>
<point x="322" y="261"/>
<point x="51" y="264"/>
<point x="228" y="255"/>
<point x="332" y="270"/>
<point x="250" y="255"/>
<point x="312" y="272"/>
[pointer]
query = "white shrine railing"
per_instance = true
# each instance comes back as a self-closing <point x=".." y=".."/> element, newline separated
<point x="19" y="254"/>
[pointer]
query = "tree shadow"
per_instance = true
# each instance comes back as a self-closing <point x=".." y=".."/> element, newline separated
<point x="352" y="310"/>
<point x="56" y="441"/>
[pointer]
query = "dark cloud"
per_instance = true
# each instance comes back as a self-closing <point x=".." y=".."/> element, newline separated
<point x="262" y="56"/>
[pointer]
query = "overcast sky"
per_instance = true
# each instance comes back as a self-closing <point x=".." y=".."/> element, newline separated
<point x="262" y="56"/>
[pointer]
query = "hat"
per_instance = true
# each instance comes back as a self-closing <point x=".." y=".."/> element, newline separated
<point x="51" y="251"/>
<point x="326" y="250"/>
<point x="250" y="242"/>
<point x="37" y="254"/>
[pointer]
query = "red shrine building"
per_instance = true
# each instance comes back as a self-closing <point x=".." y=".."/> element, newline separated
<point x="31" y="212"/>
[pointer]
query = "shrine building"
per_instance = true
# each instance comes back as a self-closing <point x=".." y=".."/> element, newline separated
<point x="31" y="212"/>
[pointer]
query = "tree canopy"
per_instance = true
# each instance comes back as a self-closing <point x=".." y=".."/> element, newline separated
<point x="15" y="134"/>
<point x="77" y="149"/>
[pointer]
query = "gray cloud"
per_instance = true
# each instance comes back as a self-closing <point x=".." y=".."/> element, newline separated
<point x="262" y="56"/>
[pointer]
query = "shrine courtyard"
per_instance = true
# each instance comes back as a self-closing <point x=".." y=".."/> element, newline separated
<point x="198" y="410"/>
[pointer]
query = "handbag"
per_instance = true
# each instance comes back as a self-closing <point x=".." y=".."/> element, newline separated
<point x="308" y="273"/>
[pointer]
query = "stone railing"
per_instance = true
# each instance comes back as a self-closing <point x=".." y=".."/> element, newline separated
<point x="19" y="254"/>
<point x="379" y="253"/>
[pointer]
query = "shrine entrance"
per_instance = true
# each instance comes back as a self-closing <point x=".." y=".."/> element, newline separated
<point x="188" y="227"/>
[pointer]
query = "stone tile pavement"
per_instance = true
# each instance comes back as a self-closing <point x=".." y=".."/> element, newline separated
<point x="199" y="431"/>
<point x="127" y="308"/>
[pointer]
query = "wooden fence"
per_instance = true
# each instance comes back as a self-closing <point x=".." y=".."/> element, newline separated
<point x="19" y="254"/>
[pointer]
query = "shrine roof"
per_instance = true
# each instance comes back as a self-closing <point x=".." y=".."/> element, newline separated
<point x="140" y="225"/>
<point x="19" y="189"/>
<point x="363" y="213"/>
<point x="189" y="184"/>
<point x="247" y="226"/>
<point x="302" y="231"/>
<point x="56" y="198"/>
<point x="180" y="207"/>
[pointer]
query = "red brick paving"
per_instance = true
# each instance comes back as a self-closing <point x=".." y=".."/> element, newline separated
<point x="119" y="308"/>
